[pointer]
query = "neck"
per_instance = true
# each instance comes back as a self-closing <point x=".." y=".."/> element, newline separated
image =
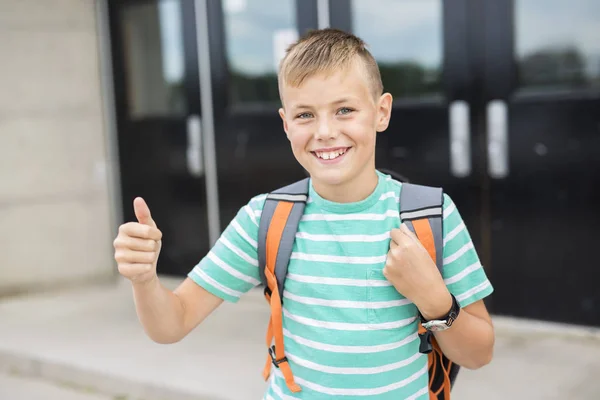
<point x="352" y="191"/>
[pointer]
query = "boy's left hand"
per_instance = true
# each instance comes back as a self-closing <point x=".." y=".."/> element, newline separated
<point x="415" y="275"/>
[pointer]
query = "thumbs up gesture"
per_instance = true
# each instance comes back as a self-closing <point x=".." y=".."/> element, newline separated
<point x="137" y="245"/>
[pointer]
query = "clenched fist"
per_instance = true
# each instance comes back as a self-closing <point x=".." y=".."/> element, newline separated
<point x="137" y="245"/>
<point x="415" y="275"/>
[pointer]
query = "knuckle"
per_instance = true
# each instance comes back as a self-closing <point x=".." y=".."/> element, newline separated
<point x="150" y="257"/>
<point x="123" y="269"/>
<point x="153" y="233"/>
<point x="126" y="227"/>
<point x="146" y="267"/>
<point x="120" y="242"/>
<point x="388" y="264"/>
<point x="123" y="256"/>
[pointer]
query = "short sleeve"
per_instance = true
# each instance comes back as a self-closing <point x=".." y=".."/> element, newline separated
<point x="230" y="269"/>
<point x="463" y="273"/>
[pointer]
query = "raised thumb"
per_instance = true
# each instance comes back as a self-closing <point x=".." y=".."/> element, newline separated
<point x="142" y="212"/>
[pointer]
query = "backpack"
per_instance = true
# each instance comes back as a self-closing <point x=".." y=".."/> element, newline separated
<point x="420" y="208"/>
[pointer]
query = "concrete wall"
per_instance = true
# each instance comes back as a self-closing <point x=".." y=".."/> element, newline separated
<point x="55" y="222"/>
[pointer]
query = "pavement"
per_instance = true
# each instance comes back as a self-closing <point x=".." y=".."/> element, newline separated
<point x="87" y="344"/>
<point x="15" y="387"/>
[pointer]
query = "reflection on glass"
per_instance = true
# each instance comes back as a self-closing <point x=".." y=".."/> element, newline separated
<point x="558" y="44"/>
<point x="154" y="59"/>
<point x="405" y="37"/>
<point x="254" y="31"/>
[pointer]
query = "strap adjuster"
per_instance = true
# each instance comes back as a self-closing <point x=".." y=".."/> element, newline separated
<point x="425" y="346"/>
<point x="268" y="291"/>
<point x="276" y="362"/>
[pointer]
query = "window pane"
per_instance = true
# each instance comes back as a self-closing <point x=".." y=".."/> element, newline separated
<point x="558" y="44"/>
<point x="405" y="37"/>
<point x="255" y="32"/>
<point x="154" y="59"/>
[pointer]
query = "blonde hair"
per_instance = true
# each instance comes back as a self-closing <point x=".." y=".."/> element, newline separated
<point x="326" y="51"/>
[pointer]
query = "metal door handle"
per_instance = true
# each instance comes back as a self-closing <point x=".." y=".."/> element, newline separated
<point x="497" y="138"/>
<point x="195" y="162"/>
<point x="460" y="139"/>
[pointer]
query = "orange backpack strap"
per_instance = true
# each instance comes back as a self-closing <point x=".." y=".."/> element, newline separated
<point x="279" y="222"/>
<point x="421" y="209"/>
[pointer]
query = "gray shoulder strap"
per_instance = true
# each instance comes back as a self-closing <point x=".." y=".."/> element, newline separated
<point x="424" y="202"/>
<point x="296" y="193"/>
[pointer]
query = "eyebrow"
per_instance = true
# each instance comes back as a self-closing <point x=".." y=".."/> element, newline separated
<point x="339" y="101"/>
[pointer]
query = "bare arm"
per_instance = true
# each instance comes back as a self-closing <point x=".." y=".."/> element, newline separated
<point x="470" y="340"/>
<point x="168" y="316"/>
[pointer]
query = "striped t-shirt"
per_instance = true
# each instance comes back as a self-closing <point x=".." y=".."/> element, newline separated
<point x="347" y="331"/>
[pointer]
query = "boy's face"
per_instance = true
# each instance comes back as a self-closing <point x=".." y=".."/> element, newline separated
<point x="331" y="121"/>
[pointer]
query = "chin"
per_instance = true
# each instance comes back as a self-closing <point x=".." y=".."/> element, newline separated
<point x="330" y="177"/>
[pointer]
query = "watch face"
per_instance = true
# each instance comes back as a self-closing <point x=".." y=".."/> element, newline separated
<point x="436" y="326"/>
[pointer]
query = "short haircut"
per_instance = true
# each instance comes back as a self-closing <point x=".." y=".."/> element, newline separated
<point x="326" y="51"/>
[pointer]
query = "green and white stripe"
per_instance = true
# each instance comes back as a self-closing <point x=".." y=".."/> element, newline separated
<point x="348" y="331"/>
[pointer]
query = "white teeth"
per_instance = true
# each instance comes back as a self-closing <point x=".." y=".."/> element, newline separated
<point x="329" y="155"/>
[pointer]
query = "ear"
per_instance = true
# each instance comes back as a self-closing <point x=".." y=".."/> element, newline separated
<point x="285" y="124"/>
<point x="384" y="112"/>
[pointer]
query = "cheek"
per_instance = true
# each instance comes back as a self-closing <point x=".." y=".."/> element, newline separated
<point x="299" y="137"/>
<point x="362" y="133"/>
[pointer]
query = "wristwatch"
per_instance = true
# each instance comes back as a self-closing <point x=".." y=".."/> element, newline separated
<point x="437" y="325"/>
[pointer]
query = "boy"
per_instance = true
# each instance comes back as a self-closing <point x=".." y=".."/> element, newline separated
<point x="358" y="280"/>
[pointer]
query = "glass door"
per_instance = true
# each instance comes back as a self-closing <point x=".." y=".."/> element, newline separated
<point x="421" y="48"/>
<point x="541" y="118"/>
<point x="160" y="124"/>
<point x="247" y="40"/>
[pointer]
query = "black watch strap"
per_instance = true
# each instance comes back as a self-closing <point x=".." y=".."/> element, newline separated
<point x="450" y="317"/>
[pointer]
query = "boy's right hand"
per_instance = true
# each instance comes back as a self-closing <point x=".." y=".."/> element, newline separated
<point x="138" y="245"/>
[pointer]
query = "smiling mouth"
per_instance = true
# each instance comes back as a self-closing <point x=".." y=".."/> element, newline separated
<point x="331" y="155"/>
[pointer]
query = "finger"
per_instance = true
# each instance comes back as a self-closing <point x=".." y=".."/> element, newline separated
<point x="142" y="212"/>
<point x="141" y="231"/>
<point x="410" y="236"/>
<point x="133" y="243"/>
<point x="397" y="236"/>
<point x="405" y="230"/>
<point x="135" y="257"/>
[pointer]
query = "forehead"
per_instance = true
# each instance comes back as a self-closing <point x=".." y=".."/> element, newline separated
<point x="327" y="87"/>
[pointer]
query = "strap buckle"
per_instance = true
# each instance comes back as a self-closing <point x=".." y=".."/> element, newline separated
<point x="276" y="362"/>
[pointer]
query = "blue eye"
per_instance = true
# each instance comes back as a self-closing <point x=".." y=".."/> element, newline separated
<point x="304" y="115"/>
<point x="345" y="110"/>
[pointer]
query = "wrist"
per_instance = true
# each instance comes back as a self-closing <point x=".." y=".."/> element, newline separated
<point x="145" y="282"/>
<point x="436" y="306"/>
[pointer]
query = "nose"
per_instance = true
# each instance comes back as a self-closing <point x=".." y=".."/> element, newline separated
<point x="325" y="129"/>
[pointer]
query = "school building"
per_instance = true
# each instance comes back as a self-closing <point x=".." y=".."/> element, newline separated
<point x="498" y="101"/>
